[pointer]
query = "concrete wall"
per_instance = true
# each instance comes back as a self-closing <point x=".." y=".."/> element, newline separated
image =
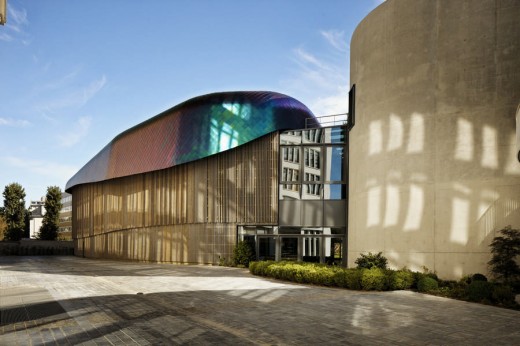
<point x="433" y="168"/>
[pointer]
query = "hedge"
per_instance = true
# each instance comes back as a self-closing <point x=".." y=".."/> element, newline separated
<point x="471" y="288"/>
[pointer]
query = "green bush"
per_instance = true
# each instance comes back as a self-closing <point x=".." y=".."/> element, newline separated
<point x="503" y="295"/>
<point x="505" y="249"/>
<point x="373" y="279"/>
<point x="478" y="277"/>
<point x="372" y="260"/>
<point x="243" y="253"/>
<point x="347" y="278"/>
<point x="353" y="278"/>
<point x="479" y="291"/>
<point x="259" y="268"/>
<point x="400" y="279"/>
<point x="427" y="284"/>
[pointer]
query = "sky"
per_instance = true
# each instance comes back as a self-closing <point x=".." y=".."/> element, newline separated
<point x="74" y="74"/>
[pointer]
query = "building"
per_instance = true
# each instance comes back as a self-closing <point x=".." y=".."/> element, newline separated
<point x="185" y="185"/>
<point x="65" y="218"/>
<point x="36" y="213"/>
<point x="433" y="168"/>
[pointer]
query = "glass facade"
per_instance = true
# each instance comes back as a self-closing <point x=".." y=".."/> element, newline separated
<point x="312" y="200"/>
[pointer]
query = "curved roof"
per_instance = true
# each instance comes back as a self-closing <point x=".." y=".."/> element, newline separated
<point x="197" y="128"/>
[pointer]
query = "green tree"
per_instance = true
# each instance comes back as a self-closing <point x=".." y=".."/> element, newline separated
<point x="14" y="211"/>
<point x="505" y="249"/>
<point x="49" y="229"/>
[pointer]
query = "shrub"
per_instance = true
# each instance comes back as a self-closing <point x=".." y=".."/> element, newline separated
<point x="478" y="277"/>
<point x="372" y="260"/>
<point x="353" y="278"/>
<point x="478" y="291"/>
<point x="243" y="253"/>
<point x="373" y="279"/>
<point x="427" y="284"/>
<point x="347" y="278"/>
<point x="504" y="295"/>
<point x="505" y="249"/>
<point x="400" y="280"/>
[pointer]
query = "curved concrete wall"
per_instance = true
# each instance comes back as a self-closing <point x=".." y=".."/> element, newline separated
<point x="433" y="168"/>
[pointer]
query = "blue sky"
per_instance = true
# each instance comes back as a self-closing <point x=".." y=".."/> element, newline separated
<point x="74" y="73"/>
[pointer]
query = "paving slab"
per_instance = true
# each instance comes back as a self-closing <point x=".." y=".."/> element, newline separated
<point x="77" y="301"/>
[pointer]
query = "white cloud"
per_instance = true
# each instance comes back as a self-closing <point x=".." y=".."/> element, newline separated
<point x="78" y="131"/>
<point x="15" y="24"/>
<point x="336" y="39"/>
<point x="17" y="17"/>
<point x="13" y="122"/>
<point x="54" y="170"/>
<point x="5" y="37"/>
<point x="69" y="97"/>
<point x="305" y="58"/>
<point x="321" y="81"/>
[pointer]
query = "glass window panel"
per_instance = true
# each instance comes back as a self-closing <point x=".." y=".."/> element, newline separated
<point x="290" y="173"/>
<point x="291" y="137"/>
<point x="334" y="230"/>
<point x="333" y="250"/>
<point x="289" y="249"/>
<point x="312" y="191"/>
<point x="335" y="135"/>
<point x="289" y="230"/>
<point x="311" y="249"/>
<point x="334" y="168"/>
<point x="312" y="161"/>
<point x="266" y="248"/>
<point x="334" y="191"/>
<point x="313" y="136"/>
<point x="290" y="191"/>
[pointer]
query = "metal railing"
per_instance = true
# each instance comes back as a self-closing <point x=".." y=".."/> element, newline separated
<point x="327" y="120"/>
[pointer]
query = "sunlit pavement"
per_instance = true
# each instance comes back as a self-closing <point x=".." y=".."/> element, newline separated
<point x="69" y="301"/>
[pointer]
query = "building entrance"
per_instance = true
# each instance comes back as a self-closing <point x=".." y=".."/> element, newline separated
<point x="318" y="245"/>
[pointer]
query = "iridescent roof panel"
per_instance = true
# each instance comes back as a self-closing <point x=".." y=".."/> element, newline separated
<point x="197" y="128"/>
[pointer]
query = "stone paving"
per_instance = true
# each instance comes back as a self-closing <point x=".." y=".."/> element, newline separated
<point x="77" y="301"/>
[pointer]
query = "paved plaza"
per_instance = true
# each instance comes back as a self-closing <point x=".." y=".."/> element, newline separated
<point x="71" y="301"/>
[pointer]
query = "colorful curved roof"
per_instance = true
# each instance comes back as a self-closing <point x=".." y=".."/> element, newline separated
<point x="197" y="128"/>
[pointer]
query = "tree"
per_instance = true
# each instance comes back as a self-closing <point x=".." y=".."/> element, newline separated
<point x="14" y="211"/>
<point x="3" y="225"/>
<point x="49" y="229"/>
<point x="505" y="249"/>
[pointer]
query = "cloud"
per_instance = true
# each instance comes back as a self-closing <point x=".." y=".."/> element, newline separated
<point x="13" y="122"/>
<point x="79" y="130"/>
<point x="16" y="23"/>
<point x="320" y="80"/>
<point x="336" y="39"/>
<point x="54" y="170"/>
<point x="17" y="17"/>
<point x="5" y="37"/>
<point x="67" y="95"/>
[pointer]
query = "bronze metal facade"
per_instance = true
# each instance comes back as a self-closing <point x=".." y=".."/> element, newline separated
<point x="184" y="214"/>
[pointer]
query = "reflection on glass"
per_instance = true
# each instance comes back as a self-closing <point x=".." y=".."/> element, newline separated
<point x="311" y="249"/>
<point x="334" y="191"/>
<point x="311" y="191"/>
<point x="313" y="136"/>
<point x="334" y="251"/>
<point x="335" y="135"/>
<point x="289" y="230"/>
<point x="290" y="191"/>
<point x="291" y="137"/>
<point x="289" y="249"/>
<point x="291" y="154"/>
<point x="334" y="168"/>
<point x="266" y="248"/>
